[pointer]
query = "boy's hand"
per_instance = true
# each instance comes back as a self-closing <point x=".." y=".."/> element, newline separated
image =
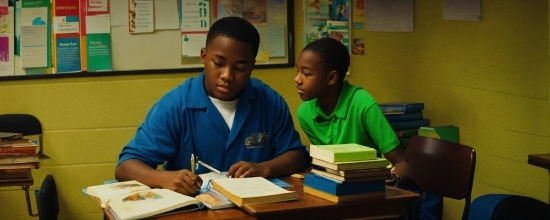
<point x="244" y="169"/>
<point x="181" y="181"/>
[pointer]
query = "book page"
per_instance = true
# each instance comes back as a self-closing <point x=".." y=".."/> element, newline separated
<point x="107" y="191"/>
<point x="250" y="187"/>
<point x="150" y="202"/>
<point x="206" y="177"/>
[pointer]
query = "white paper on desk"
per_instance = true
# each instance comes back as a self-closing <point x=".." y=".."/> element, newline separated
<point x="166" y="15"/>
<point x="465" y="10"/>
<point x="389" y="15"/>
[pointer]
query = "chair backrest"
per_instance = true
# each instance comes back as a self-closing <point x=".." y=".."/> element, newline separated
<point x="46" y="199"/>
<point x="22" y="123"/>
<point x="508" y="206"/>
<point x="441" y="167"/>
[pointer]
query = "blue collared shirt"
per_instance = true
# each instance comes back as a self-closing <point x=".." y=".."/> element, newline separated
<point x="184" y="121"/>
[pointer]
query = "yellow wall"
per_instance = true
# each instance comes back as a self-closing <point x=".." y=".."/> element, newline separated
<point x="490" y="78"/>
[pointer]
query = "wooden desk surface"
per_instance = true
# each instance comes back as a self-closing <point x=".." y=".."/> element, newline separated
<point x="312" y="207"/>
<point x="307" y="207"/>
<point x="540" y="160"/>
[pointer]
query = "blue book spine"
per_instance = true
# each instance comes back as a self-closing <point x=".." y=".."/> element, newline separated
<point x="400" y="125"/>
<point x="335" y="188"/>
<point x="405" y="117"/>
<point x="402" y="107"/>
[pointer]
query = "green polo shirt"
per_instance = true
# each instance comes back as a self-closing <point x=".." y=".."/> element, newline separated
<point x="357" y="118"/>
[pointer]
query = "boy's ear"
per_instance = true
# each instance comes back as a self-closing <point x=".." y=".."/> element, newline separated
<point x="203" y="54"/>
<point x="333" y="77"/>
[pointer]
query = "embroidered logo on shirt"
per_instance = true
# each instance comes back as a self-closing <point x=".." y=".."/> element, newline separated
<point x="256" y="140"/>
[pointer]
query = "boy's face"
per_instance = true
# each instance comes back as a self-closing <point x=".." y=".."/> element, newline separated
<point x="312" y="80"/>
<point x="228" y="64"/>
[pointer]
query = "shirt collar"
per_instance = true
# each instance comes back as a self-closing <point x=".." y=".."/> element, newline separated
<point x="342" y="105"/>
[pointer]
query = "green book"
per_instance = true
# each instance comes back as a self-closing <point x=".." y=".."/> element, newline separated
<point x="448" y="132"/>
<point x="342" y="152"/>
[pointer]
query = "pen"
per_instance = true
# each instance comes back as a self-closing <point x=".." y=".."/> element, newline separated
<point x="211" y="168"/>
<point x="192" y="163"/>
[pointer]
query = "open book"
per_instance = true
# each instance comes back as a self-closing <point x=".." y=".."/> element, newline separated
<point x="209" y="196"/>
<point x="134" y="200"/>
<point x="254" y="190"/>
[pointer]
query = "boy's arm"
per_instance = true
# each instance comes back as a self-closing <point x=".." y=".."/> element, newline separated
<point x="182" y="181"/>
<point x="285" y="164"/>
<point x="397" y="158"/>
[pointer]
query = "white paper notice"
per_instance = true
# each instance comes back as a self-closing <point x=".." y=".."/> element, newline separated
<point x="141" y="16"/>
<point x="119" y="15"/>
<point x="166" y="14"/>
<point x="98" y="5"/>
<point x="33" y="37"/>
<point x="33" y="46"/>
<point x="465" y="10"/>
<point x="276" y="40"/>
<point x="389" y="15"/>
<point x="195" y="15"/>
<point x="191" y="44"/>
<point x="98" y="24"/>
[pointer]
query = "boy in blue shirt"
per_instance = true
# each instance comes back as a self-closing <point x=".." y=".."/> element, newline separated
<point x="225" y="118"/>
<point x="336" y="112"/>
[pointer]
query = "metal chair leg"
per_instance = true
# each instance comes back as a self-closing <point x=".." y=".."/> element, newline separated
<point x="29" y="207"/>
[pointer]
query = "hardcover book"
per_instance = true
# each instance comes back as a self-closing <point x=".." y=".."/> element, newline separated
<point x="355" y="173"/>
<point x="342" y="152"/>
<point x="344" y="198"/>
<point x="335" y="188"/>
<point x="405" y="117"/>
<point x="253" y="190"/>
<point x="19" y="159"/>
<point x="448" y="133"/>
<point x="14" y="166"/>
<point x="401" y="125"/>
<point x="341" y="179"/>
<point x="401" y="107"/>
<point x="355" y="165"/>
<point x="134" y="200"/>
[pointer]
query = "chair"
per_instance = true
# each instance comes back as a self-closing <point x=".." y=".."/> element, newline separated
<point x="507" y="206"/>
<point x="46" y="199"/>
<point x="26" y="125"/>
<point x="440" y="167"/>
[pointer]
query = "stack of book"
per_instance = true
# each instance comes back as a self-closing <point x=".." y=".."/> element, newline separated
<point x="17" y="156"/>
<point x="405" y="118"/>
<point x="346" y="172"/>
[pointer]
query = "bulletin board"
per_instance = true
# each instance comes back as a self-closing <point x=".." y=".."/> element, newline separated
<point x="161" y="50"/>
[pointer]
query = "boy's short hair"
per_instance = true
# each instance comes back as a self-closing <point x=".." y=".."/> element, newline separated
<point x="333" y="53"/>
<point x="237" y="29"/>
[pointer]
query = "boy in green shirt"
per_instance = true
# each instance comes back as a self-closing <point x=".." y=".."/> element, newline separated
<point x="336" y="112"/>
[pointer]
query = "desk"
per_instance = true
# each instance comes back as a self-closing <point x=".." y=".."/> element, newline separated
<point x="540" y="160"/>
<point x="308" y="207"/>
<point x="25" y="183"/>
